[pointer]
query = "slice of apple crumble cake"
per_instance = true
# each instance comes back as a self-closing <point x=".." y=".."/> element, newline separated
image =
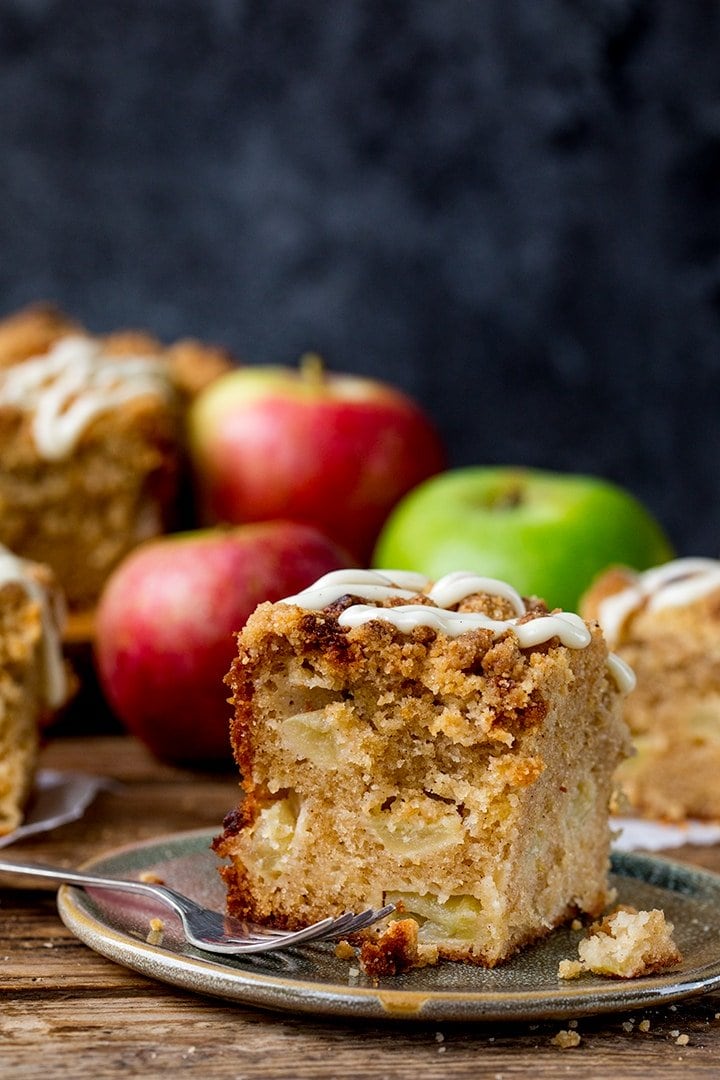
<point x="448" y="747"/>
<point x="32" y="675"/>
<point x="665" y="622"/>
<point x="92" y="458"/>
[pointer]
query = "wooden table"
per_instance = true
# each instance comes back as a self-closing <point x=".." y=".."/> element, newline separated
<point x="67" y="1012"/>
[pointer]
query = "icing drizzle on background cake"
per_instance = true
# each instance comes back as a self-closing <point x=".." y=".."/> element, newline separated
<point x="445" y="593"/>
<point x="72" y="384"/>
<point x="16" y="570"/>
<point x="674" y="584"/>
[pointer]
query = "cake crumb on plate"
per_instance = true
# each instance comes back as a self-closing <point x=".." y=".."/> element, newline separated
<point x="625" y="945"/>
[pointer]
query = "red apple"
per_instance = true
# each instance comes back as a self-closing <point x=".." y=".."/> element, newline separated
<point x="334" y="451"/>
<point x="166" y="623"/>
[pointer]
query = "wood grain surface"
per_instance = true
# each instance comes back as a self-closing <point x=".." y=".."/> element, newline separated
<point x="67" y="1012"/>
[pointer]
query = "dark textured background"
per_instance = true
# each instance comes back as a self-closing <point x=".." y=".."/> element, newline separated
<point x="507" y="207"/>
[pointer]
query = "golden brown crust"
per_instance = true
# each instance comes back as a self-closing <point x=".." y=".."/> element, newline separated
<point x="393" y="951"/>
<point x="192" y="365"/>
<point x="32" y="331"/>
<point x="195" y="364"/>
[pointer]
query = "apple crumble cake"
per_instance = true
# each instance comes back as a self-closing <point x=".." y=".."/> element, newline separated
<point x="449" y="748"/>
<point x="90" y="442"/>
<point x="666" y="624"/>
<point x="32" y="675"/>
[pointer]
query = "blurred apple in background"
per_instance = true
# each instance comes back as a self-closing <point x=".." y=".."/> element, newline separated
<point x="334" y="451"/>
<point x="166" y="623"/>
<point x="548" y="534"/>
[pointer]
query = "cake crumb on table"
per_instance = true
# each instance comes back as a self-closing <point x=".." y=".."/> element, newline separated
<point x="566" y="1039"/>
<point x="644" y="1025"/>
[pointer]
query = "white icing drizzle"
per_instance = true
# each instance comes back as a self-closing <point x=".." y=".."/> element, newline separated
<point x="571" y="629"/>
<point x="674" y="584"/>
<point x="370" y="584"/>
<point x="615" y="610"/>
<point x="72" y="384"/>
<point x="447" y="592"/>
<point x="14" y="569"/>
<point x="622" y="673"/>
<point x="455" y="587"/>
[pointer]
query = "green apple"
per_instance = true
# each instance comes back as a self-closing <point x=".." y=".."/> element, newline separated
<point x="548" y="534"/>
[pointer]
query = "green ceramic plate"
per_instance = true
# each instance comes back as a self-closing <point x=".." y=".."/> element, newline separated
<point x="311" y="979"/>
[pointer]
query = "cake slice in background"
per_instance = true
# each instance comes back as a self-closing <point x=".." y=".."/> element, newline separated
<point x="666" y="624"/>
<point x="91" y="442"/>
<point x="32" y="676"/>
<point x="450" y="748"/>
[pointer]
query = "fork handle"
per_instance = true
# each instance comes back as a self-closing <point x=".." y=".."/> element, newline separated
<point x="60" y="875"/>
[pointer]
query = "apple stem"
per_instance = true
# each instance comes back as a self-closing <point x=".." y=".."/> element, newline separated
<point x="312" y="368"/>
<point x="508" y="499"/>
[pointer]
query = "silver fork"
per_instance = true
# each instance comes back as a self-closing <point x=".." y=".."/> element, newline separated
<point x="208" y="930"/>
